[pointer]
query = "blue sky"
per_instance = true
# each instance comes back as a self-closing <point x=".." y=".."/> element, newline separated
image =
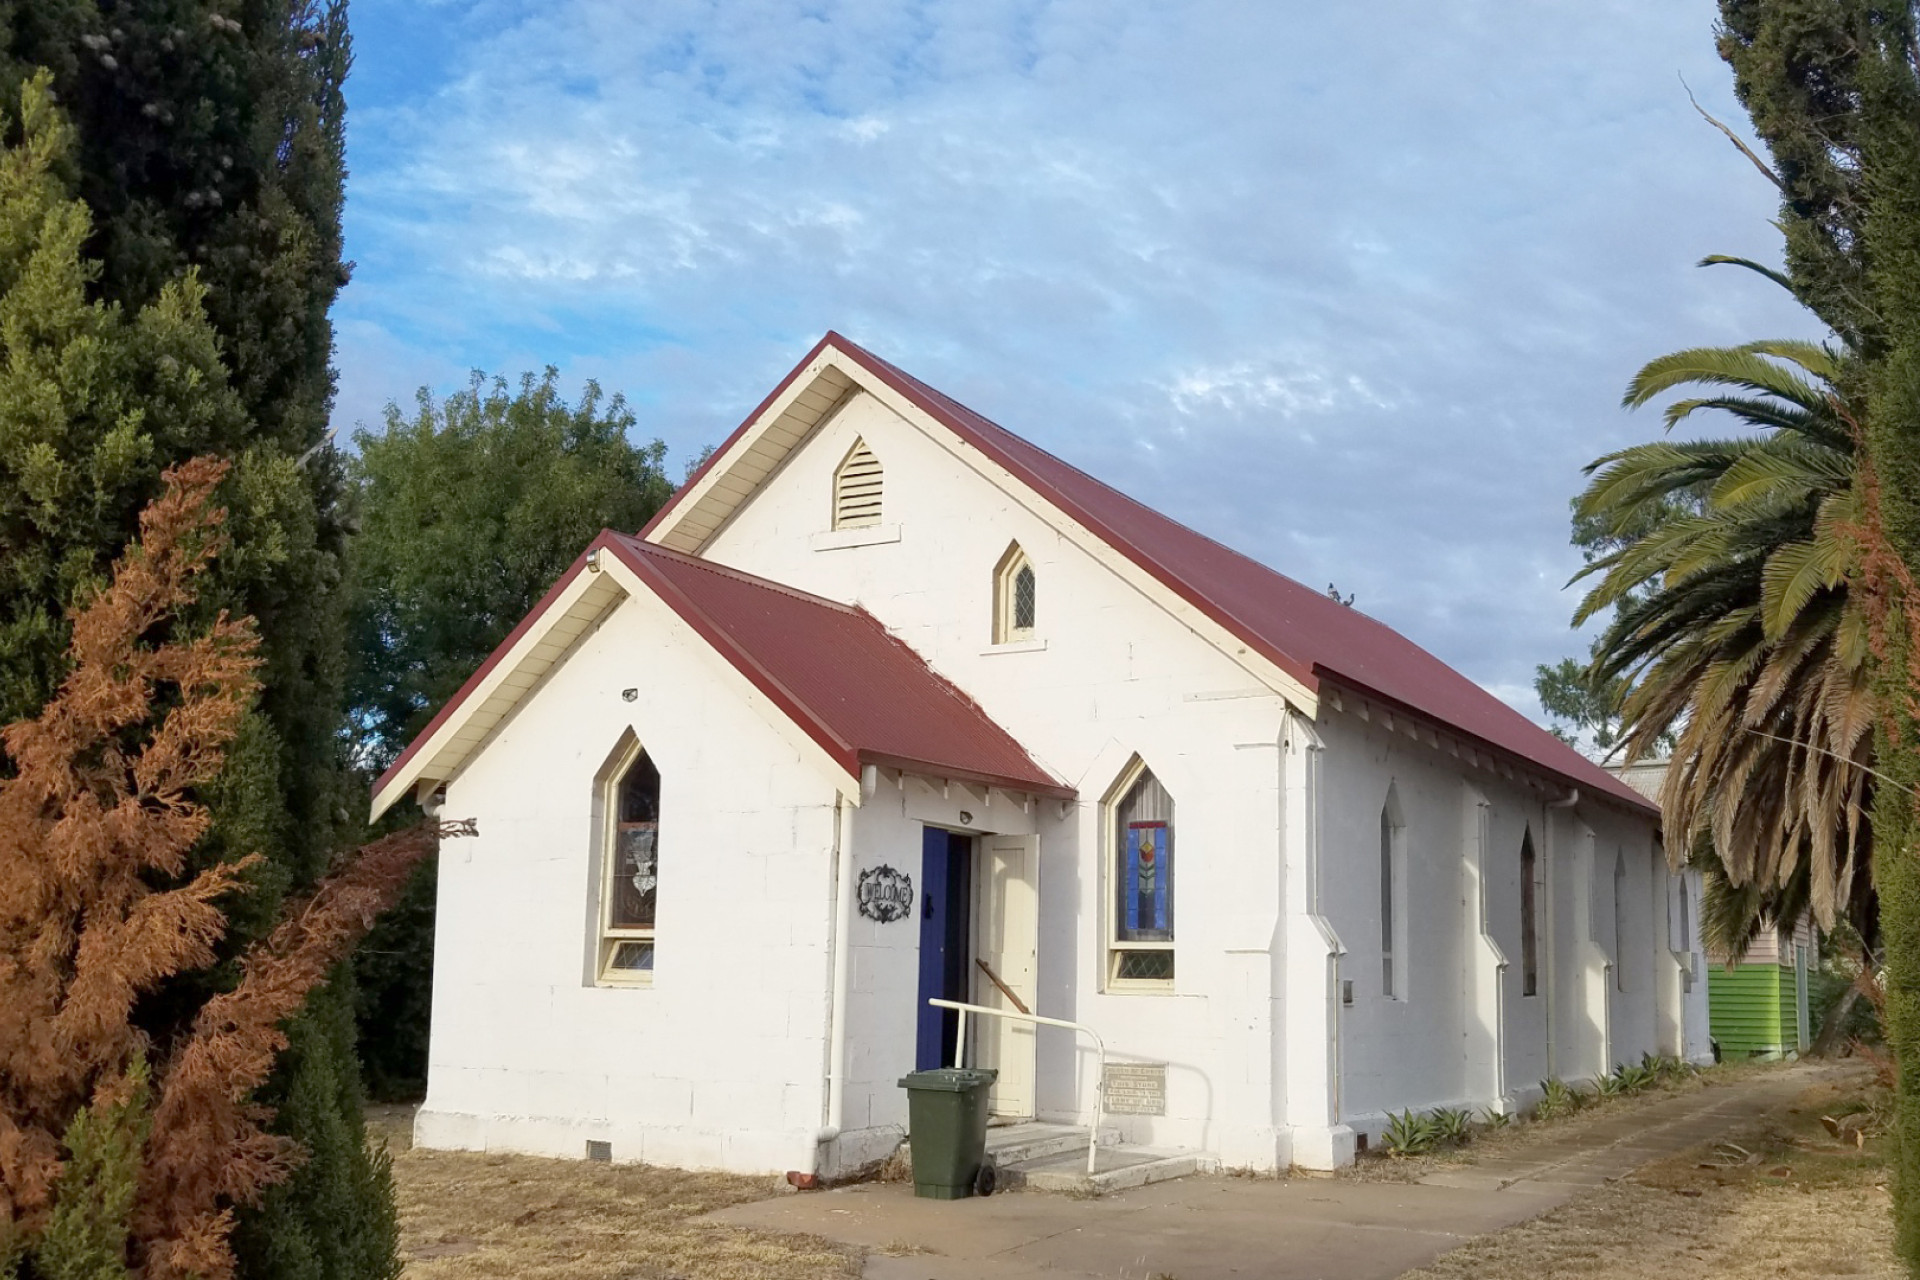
<point x="1352" y="288"/>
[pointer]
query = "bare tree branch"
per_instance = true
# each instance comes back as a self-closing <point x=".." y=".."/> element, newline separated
<point x="1734" y="138"/>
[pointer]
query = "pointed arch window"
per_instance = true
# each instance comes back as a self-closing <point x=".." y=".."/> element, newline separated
<point x="1140" y="931"/>
<point x="1529" y="917"/>
<point x="1683" y="937"/>
<point x="1393" y="900"/>
<point x="631" y="877"/>
<point x="1016" y="602"/>
<point x="857" y="489"/>
<point x="1620" y="924"/>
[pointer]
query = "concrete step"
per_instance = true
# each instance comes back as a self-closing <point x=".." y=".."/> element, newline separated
<point x="1017" y="1144"/>
<point x="1116" y="1169"/>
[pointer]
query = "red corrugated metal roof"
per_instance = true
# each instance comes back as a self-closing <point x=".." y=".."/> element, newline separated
<point x="1297" y="628"/>
<point x="861" y="694"/>
<point x="864" y="696"/>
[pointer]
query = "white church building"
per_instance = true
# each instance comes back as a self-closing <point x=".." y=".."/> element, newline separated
<point x="888" y="705"/>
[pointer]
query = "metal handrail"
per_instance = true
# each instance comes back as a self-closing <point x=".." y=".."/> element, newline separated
<point x="1100" y="1046"/>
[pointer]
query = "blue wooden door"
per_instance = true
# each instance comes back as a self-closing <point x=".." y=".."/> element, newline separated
<point x="946" y="899"/>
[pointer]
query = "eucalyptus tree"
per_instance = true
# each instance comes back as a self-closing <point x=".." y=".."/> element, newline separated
<point x="469" y="508"/>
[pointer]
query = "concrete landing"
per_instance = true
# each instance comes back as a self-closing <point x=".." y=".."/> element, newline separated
<point x="1053" y="1157"/>
<point x="1116" y="1169"/>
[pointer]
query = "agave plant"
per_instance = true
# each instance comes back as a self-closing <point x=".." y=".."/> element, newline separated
<point x="1557" y="1099"/>
<point x="1407" y="1134"/>
<point x="1495" y="1119"/>
<point x="1732" y="620"/>
<point x="1452" y="1124"/>
<point x="1631" y="1079"/>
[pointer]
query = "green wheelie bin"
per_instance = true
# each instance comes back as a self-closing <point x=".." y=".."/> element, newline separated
<point x="947" y="1126"/>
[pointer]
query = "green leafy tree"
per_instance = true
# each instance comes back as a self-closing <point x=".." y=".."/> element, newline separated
<point x="204" y="148"/>
<point x="469" y="510"/>
<point x="1581" y="711"/>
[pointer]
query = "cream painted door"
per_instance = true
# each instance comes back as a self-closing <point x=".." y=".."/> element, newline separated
<point x="1007" y="915"/>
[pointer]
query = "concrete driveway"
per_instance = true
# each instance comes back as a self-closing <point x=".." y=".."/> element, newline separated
<point x="1192" y="1229"/>
<point x="1212" y="1228"/>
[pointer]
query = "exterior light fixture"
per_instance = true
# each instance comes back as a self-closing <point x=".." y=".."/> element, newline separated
<point x="593" y="560"/>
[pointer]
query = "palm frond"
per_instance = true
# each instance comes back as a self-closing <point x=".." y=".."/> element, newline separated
<point x="1726" y="573"/>
<point x="1728" y="260"/>
<point x="1741" y="367"/>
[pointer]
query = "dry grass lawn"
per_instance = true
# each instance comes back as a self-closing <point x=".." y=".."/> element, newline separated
<point x="471" y="1216"/>
<point x="1797" y="1203"/>
<point x="1788" y="1200"/>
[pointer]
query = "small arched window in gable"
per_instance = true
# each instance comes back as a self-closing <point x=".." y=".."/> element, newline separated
<point x="856" y="489"/>
<point x="1016" y="597"/>
<point x="632" y="876"/>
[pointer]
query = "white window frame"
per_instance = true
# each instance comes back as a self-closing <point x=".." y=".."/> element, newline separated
<point x="1113" y="947"/>
<point x="858" y="511"/>
<point x="610" y="937"/>
<point x="1005" y="577"/>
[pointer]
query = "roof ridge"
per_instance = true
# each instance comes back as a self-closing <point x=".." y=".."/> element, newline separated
<point x="1293" y="626"/>
<point x="1022" y="442"/>
<point x="728" y="571"/>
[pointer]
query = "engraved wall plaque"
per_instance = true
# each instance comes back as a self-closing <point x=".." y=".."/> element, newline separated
<point x="1136" y="1089"/>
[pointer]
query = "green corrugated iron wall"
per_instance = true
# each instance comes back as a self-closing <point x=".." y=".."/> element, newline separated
<point x="1753" y="1010"/>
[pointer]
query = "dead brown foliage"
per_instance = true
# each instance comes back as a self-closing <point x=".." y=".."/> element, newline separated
<point x="99" y="905"/>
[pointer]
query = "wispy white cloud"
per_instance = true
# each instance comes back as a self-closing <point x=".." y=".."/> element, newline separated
<point x="1379" y="271"/>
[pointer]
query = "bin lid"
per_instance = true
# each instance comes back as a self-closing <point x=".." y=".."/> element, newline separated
<point x="950" y="1079"/>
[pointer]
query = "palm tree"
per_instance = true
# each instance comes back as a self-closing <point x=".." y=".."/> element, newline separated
<point x="1733" y="626"/>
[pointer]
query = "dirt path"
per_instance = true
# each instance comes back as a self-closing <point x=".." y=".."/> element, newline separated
<point x="1776" y="1195"/>
<point x="1615" y="1145"/>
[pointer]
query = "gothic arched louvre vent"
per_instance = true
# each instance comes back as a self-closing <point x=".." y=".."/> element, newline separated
<point x="856" y="489"/>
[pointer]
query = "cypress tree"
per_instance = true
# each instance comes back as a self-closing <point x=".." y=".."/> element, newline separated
<point x="1890" y="105"/>
<point x="207" y="147"/>
<point x="1833" y="89"/>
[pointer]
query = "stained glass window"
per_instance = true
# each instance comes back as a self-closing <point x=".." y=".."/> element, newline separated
<point x="636" y="850"/>
<point x="1143" y="883"/>
<point x="633" y="873"/>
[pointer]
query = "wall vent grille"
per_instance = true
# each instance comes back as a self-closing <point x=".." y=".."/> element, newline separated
<point x="856" y="489"/>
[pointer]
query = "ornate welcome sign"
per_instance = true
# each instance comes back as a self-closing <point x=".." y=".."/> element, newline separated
<point x="885" y="895"/>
